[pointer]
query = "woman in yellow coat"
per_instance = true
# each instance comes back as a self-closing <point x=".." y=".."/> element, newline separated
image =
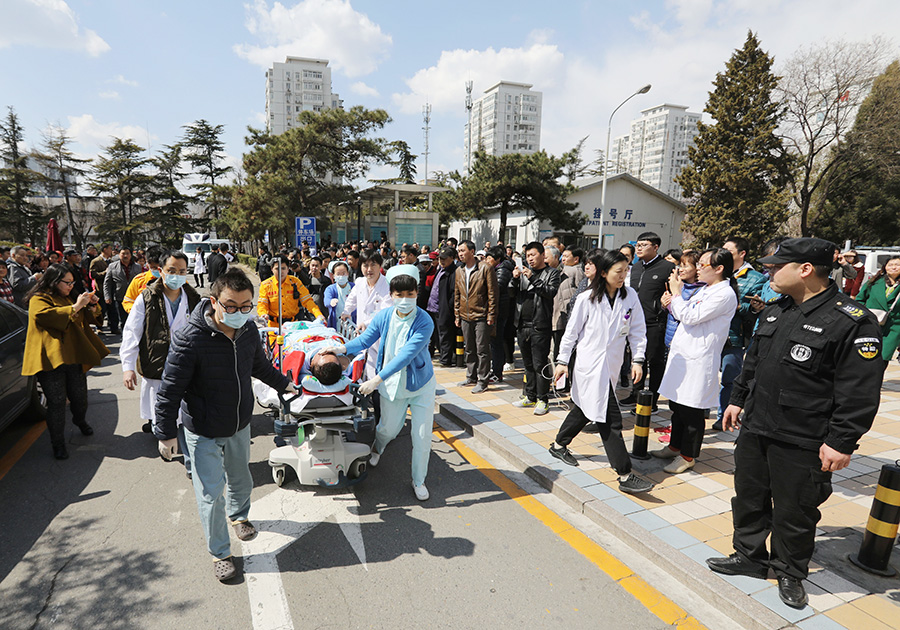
<point x="60" y="348"/>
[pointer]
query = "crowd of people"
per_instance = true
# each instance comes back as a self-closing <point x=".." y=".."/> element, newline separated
<point x="704" y="330"/>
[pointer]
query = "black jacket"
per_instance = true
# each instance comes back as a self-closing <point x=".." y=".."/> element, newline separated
<point x="650" y="283"/>
<point x="446" y="297"/>
<point x="812" y="373"/>
<point x="543" y="286"/>
<point x="212" y="374"/>
<point x="216" y="264"/>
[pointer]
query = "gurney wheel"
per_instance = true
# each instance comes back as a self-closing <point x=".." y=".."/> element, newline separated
<point x="279" y="474"/>
<point x="357" y="468"/>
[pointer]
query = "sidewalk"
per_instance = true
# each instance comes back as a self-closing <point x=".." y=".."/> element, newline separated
<point x="687" y="518"/>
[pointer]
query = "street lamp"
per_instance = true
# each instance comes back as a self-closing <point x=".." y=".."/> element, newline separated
<point x="643" y="90"/>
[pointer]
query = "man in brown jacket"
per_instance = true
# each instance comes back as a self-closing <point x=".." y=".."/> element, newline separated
<point x="475" y="306"/>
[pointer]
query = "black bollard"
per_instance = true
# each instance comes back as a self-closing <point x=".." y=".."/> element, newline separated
<point x="642" y="424"/>
<point x="460" y="349"/>
<point x="875" y="551"/>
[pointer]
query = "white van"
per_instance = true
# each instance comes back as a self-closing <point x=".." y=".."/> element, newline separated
<point x="192" y="241"/>
<point x="874" y="257"/>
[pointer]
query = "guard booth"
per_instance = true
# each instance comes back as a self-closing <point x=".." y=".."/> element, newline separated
<point x="400" y="226"/>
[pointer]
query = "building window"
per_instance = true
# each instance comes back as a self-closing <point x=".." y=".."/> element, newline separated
<point x="465" y="234"/>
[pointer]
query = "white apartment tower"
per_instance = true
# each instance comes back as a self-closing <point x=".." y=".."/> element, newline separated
<point x="507" y="119"/>
<point x="657" y="148"/>
<point x="297" y="85"/>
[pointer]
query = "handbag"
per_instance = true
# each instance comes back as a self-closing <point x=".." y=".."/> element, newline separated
<point x="882" y="315"/>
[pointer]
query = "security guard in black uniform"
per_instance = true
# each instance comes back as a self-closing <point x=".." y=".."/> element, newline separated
<point x="809" y="390"/>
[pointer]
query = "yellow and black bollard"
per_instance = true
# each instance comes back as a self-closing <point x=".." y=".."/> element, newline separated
<point x="642" y="424"/>
<point x="875" y="551"/>
<point x="460" y="349"/>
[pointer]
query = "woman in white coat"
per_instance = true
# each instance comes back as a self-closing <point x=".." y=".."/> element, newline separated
<point x="594" y="320"/>
<point x="691" y="380"/>
<point x="199" y="267"/>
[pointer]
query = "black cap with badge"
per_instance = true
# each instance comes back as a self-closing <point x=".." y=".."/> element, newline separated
<point x="815" y="251"/>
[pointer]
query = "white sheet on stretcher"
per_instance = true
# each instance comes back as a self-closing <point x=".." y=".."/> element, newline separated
<point x="268" y="397"/>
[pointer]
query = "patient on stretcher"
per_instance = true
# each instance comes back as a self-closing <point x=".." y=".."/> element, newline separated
<point x="309" y="350"/>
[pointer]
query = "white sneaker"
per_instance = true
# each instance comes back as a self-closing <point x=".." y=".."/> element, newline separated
<point x="679" y="465"/>
<point x="509" y="367"/>
<point x="421" y="492"/>
<point x="374" y="458"/>
<point x="541" y="408"/>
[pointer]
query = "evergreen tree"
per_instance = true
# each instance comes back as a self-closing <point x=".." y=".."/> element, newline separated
<point x="169" y="219"/>
<point x="862" y="202"/>
<point x="61" y="171"/>
<point x="738" y="172"/>
<point x="405" y="162"/>
<point x="121" y="181"/>
<point x="18" y="216"/>
<point x="535" y="183"/>
<point x="204" y="149"/>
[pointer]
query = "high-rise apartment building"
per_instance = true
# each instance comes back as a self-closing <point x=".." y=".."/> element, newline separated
<point x="507" y="119"/>
<point x="657" y="148"/>
<point x="297" y="85"/>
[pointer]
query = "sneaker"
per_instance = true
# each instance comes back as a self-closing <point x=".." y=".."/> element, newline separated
<point x="421" y="492"/>
<point x="479" y="388"/>
<point x="374" y="458"/>
<point x="592" y="428"/>
<point x="665" y="453"/>
<point x="524" y="402"/>
<point x="466" y="384"/>
<point x="509" y="367"/>
<point x="631" y="401"/>
<point x="635" y="485"/>
<point x="563" y="454"/>
<point x="494" y="379"/>
<point x="541" y="408"/>
<point x="679" y="465"/>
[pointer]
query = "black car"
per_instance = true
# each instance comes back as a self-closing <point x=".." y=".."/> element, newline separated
<point x="18" y="394"/>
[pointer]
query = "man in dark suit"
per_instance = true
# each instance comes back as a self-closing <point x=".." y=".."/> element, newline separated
<point x="216" y="264"/>
<point x="440" y="306"/>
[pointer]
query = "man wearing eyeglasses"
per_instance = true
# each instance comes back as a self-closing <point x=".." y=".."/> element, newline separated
<point x="649" y="274"/>
<point x="209" y="366"/>
<point x="160" y="310"/>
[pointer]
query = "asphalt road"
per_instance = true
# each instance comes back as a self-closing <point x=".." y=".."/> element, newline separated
<point x="111" y="539"/>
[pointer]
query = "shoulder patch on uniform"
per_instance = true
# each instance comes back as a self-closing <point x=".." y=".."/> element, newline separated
<point x="853" y="312"/>
<point x="868" y="348"/>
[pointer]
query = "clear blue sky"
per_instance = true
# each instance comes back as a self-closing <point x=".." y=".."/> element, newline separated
<point x="144" y="69"/>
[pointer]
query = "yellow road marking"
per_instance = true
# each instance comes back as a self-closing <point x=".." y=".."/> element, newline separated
<point x="16" y="452"/>
<point x="657" y="603"/>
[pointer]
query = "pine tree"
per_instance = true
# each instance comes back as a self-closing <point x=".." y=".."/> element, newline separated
<point x="21" y="218"/>
<point x="204" y="149"/>
<point x="738" y="172"/>
<point x="120" y="180"/>
<point x="61" y="171"/>
<point x="168" y="220"/>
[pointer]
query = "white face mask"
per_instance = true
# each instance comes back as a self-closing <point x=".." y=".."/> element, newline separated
<point x="342" y="280"/>
<point x="405" y="305"/>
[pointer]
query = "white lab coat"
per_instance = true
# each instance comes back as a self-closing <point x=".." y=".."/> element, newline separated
<point x="692" y="371"/>
<point x="199" y="263"/>
<point x="626" y="323"/>
<point x="132" y="332"/>
<point x="589" y="327"/>
<point x="367" y="301"/>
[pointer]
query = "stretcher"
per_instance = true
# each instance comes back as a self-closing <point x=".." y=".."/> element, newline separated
<point x="327" y="428"/>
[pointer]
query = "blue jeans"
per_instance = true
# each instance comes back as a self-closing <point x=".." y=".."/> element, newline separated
<point x="222" y="482"/>
<point x="182" y="448"/>
<point x="732" y="364"/>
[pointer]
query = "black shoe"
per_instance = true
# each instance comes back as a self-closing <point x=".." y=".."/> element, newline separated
<point x="717" y="425"/>
<point x="147" y="427"/>
<point x="85" y="429"/>
<point x="791" y="591"/>
<point x="736" y="564"/>
<point x="564" y="454"/>
<point x="591" y="427"/>
<point x="635" y="485"/>
<point x="60" y="451"/>
<point x="631" y="401"/>
<point x="113" y="331"/>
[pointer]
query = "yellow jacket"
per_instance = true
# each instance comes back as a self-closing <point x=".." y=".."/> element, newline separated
<point x="135" y="287"/>
<point x="293" y="294"/>
<point x="57" y="335"/>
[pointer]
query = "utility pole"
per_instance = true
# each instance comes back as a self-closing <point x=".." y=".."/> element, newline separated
<point x="469" y="110"/>
<point x="426" y="115"/>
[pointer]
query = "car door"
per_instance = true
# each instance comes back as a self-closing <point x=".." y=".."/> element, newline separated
<point x="13" y="386"/>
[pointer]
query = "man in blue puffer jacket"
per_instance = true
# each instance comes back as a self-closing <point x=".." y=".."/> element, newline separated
<point x="210" y="362"/>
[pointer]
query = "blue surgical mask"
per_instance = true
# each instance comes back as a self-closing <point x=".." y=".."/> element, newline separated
<point x="405" y="305"/>
<point x="342" y="280"/>
<point x="155" y="273"/>
<point x="174" y="282"/>
<point x="235" y="320"/>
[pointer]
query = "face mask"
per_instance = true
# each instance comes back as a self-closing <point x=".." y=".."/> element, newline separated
<point x="174" y="282"/>
<point x="155" y="273"/>
<point x="405" y="305"/>
<point x="235" y="320"/>
<point x="342" y="280"/>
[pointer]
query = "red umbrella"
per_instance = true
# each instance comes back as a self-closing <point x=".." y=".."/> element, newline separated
<point x="54" y="242"/>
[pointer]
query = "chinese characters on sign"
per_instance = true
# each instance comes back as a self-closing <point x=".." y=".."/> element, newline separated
<point x="306" y="233"/>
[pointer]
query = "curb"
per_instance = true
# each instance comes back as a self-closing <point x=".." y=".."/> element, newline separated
<point x="731" y="601"/>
